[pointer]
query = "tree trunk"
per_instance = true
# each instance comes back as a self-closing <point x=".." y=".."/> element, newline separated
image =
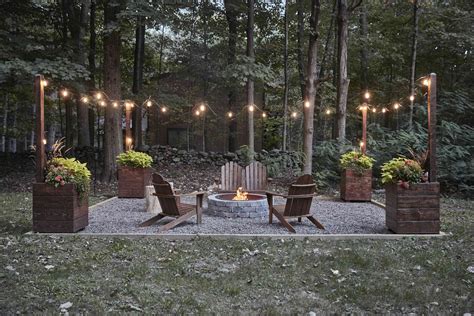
<point x="413" y="60"/>
<point x="138" y="80"/>
<point x="153" y="112"/>
<point x="250" y="83"/>
<point x="92" y="68"/>
<point x="5" y="120"/>
<point x="342" y="79"/>
<point x="69" y="123"/>
<point x="300" y="55"/>
<point x="311" y="83"/>
<point x="285" y="95"/>
<point x="231" y="16"/>
<point x="113" y="143"/>
<point x="364" y="59"/>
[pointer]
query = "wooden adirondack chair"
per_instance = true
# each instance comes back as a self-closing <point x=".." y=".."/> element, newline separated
<point x="298" y="203"/>
<point x="171" y="205"/>
<point x="255" y="177"/>
<point x="231" y="177"/>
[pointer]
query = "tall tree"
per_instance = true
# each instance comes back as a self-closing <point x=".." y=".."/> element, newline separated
<point x="364" y="58"/>
<point x="414" y="43"/>
<point x="250" y="83"/>
<point x="139" y="55"/>
<point x="113" y="143"/>
<point x="285" y="95"/>
<point x="231" y="12"/>
<point x="300" y="54"/>
<point x="343" y="11"/>
<point x="311" y="83"/>
<point x="92" y="67"/>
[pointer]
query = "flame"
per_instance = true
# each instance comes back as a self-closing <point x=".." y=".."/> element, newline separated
<point x="241" y="195"/>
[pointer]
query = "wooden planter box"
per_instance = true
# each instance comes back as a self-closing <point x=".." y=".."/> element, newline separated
<point x="356" y="186"/>
<point x="132" y="182"/>
<point x="59" y="210"/>
<point x="414" y="210"/>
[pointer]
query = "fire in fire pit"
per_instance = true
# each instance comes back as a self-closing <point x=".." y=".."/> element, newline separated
<point x="241" y="195"/>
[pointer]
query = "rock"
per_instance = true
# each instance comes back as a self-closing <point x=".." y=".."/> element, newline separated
<point x="65" y="305"/>
<point x="176" y="159"/>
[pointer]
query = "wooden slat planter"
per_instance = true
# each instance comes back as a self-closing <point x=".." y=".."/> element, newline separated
<point x="356" y="186"/>
<point x="414" y="210"/>
<point x="132" y="182"/>
<point x="58" y="210"/>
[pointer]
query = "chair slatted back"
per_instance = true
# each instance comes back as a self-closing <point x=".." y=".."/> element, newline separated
<point x="168" y="201"/>
<point x="301" y="206"/>
<point x="255" y="177"/>
<point x="231" y="176"/>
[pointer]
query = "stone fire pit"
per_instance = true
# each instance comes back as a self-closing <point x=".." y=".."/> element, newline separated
<point x="222" y="205"/>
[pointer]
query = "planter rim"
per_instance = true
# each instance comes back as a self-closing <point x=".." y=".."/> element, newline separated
<point x="137" y="168"/>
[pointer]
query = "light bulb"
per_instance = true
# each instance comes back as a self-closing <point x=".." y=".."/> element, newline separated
<point x="129" y="140"/>
<point x="396" y="106"/>
<point x="230" y="114"/>
<point x="202" y="108"/>
<point x="45" y="83"/>
<point x="306" y="104"/>
<point x="98" y="96"/>
<point x="412" y="97"/>
<point x="44" y="141"/>
<point x="163" y="110"/>
<point x="361" y="144"/>
<point x="264" y="115"/>
<point x="115" y="104"/>
<point x="197" y="112"/>
<point x="374" y="110"/>
<point x="65" y="93"/>
<point x="426" y="82"/>
<point x="148" y="103"/>
<point x="384" y="110"/>
<point x="328" y="112"/>
<point x="102" y="103"/>
<point x="294" y="114"/>
<point x="251" y="108"/>
<point x="85" y="99"/>
<point x="367" y="95"/>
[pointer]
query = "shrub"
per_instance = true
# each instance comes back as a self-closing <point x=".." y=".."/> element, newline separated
<point x="134" y="159"/>
<point x="401" y="170"/>
<point x="68" y="170"/>
<point x="356" y="161"/>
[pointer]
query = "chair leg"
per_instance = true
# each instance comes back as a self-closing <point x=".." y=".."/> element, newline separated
<point x="315" y="222"/>
<point x="284" y="222"/>
<point x="177" y="221"/>
<point x="299" y="219"/>
<point x="270" y="215"/>
<point x="152" y="220"/>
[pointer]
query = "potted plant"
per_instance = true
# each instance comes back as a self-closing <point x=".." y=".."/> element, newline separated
<point x="134" y="174"/>
<point x="411" y="203"/>
<point x="356" y="178"/>
<point x="61" y="203"/>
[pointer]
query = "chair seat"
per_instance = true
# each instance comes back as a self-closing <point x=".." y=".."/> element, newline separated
<point x="183" y="209"/>
<point x="281" y="209"/>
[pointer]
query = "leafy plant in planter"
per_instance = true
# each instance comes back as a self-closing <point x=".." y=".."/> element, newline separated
<point x="402" y="171"/>
<point x="356" y="180"/>
<point x="61" y="203"/>
<point x="411" y="206"/>
<point x="134" y="174"/>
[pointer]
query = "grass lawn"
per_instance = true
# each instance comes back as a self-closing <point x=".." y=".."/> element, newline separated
<point x="38" y="273"/>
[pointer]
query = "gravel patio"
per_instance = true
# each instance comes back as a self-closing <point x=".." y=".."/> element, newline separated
<point x="122" y="216"/>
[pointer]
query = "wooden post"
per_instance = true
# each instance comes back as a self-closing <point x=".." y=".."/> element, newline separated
<point x="128" y="131"/>
<point x="363" y="148"/>
<point x="40" y="155"/>
<point x="432" y="127"/>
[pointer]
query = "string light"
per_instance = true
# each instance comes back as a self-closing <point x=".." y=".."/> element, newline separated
<point x="412" y="97"/>
<point x="306" y="104"/>
<point x="328" y="111"/>
<point x="45" y="141"/>
<point x="367" y="95"/>
<point x="85" y="99"/>
<point x="98" y="96"/>
<point x="426" y="82"/>
<point x="163" y="109"/>
<point x="129" y="140"/>
<point x="230" y="114"/>
<point x="114" y="104"/>
<point x="197" y="112"/>
<point x="102" y="103"/>
<point x="264" y="115"/>
<point x="374" y="110"/>
<point x="294" y="114"/>
<point x="65" y="93"/>
<point x="396" y="106"/>
<point x="148" y="103"/>
<point x="251" y="108"/>
<point x="202" y="108"/>
<point x="44" y="83"/>
<point x="384" y="110"/>
<point x="363" y="107"/>
<point x="361" y="144"/>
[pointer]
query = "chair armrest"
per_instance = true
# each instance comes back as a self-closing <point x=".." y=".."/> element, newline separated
<point x="269" y="193"/>
<point x="301" y="196"/>
<point x="193" y="193"/>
